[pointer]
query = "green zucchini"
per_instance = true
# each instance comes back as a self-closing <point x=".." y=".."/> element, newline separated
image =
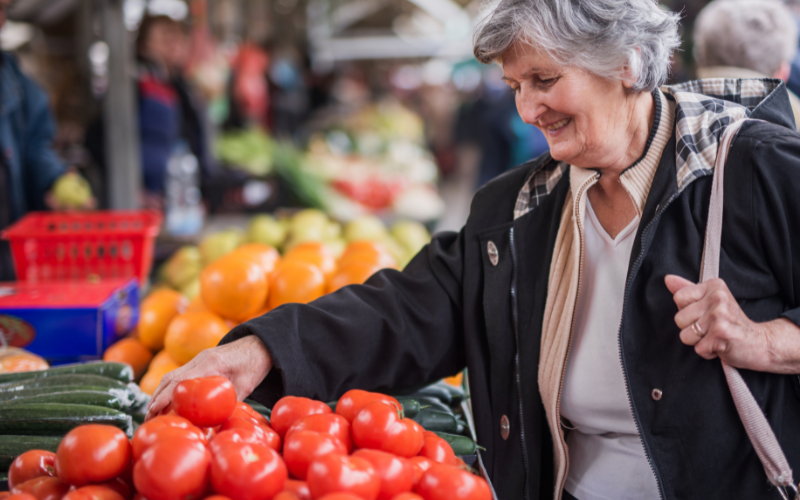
<point x="434" y="404"/>
<point x="13" y="446"/>
<point x="63" y="381"/>
<point x="117" y="371"/>
<point x="90" y="398"/>
<point x="125" y="397"/>
<point x="433" y="420"/>
<point x="51" y="419"/>
<point x="462" y="445"/>
<point x="410" y="407"/>
<point x="435" y="391"/>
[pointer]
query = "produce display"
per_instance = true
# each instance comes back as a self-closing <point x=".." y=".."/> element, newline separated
<point x="365" y="446"/>
<point x="233" y="276"/>
<point x="371" y="161"/>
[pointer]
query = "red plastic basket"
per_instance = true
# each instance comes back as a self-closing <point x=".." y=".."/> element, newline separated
<point x="77" y="246"/>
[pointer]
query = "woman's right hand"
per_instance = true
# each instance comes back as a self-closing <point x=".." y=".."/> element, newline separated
<point x="245" y="362"/>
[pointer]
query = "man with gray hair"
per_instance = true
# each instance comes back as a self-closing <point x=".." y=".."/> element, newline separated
<point x="746" y="39"/>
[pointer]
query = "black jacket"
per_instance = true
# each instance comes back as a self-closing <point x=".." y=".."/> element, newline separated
<point x="452" y="308"/>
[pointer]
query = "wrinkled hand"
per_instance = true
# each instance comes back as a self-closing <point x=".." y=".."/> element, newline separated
<point x="711" y="320"/>
<point x="245" y="362"/>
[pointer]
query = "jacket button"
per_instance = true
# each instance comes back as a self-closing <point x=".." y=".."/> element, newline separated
<point x="656" y="394"/>
<point x="504" y="427"/>
<point x="494" y="256"/>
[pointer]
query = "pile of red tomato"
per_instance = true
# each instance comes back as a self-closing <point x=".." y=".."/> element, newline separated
<point x="212" y="447"/>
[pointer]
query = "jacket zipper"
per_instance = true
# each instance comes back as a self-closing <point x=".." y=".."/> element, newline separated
<point x="526" y="487"/>
<point x="576" y="214"/>
<point x="635" y="413"/>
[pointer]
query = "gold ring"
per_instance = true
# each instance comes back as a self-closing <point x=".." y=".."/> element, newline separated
<point x="697" y="331"/>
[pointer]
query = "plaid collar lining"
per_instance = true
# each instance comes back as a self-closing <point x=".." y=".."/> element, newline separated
<point x="704" y="109"/>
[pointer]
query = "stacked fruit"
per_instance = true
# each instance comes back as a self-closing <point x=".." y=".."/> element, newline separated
<point x="210" y="446"/>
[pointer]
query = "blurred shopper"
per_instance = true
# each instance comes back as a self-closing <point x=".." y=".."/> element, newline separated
<point x="170" y="114"/>
<point x="746" y="39"/>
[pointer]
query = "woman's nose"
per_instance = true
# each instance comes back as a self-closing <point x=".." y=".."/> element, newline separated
<point x="530" y="106"/>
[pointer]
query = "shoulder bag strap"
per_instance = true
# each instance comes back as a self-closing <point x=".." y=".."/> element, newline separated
<point x="755" y="423"/>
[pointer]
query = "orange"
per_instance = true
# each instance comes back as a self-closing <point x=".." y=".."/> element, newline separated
<point x="354" y="273"/>
<point x="160" y="359"/>
<point x="132" y="352"/>
<point x="367" y="252"/>
<point x="152" y="378"/>
<point x="456" y="380"/>
<point x="258" y="314"/>
<point x="264" y="255"/>
<point x="295" y="281"/>
<point x="234" y="287"/>
<point x="155" y="313"/>
<point x="315" y="253"/>
<point x="17" y="360"/>
<point x="196" y="304"/>
<point x="191" y="333"/>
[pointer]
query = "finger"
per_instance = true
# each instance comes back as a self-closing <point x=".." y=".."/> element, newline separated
<point x="711" y="346"/>
<point x="691" y="313"/>
<point x="690" y="337"/>
<point x="675" y="283"/>
<point x="689" y="295"/>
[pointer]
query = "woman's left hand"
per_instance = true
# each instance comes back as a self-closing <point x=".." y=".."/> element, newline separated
<point x="711" y="320"/>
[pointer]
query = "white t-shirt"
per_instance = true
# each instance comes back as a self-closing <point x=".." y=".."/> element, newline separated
<point x="606" y="455"/>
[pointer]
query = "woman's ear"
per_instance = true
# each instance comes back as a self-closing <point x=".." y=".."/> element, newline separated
<point x="629" y="75"/>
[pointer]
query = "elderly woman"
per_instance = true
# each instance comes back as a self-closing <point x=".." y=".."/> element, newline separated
<point x="590" y="377"/>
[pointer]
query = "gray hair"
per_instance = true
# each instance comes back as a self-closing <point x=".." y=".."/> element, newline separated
<point x="599" y="36"/>
<point x="758" y="35"/>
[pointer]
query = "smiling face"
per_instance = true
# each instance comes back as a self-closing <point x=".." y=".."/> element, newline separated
<point x="588" y="121"/>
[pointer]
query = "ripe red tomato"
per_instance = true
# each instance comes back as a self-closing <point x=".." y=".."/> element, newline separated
<point x="92" y="454"/>
<point x="421" y="466"/>
<point x="216" y="497"/>
<point x="290" y="409"/>
<point x="355" y="400"/>
<point x="206" y="401"/>
<point x="93" y="492"/>
<point x="395" y="473"/>
<point x="43" y="488"/>
<point x="283" y="495"/>
<point x="120" y="486"/>
<point x="341" y="496"/>
<point x="30" y="465"/>
<point x="342" y="474"/>
<point x="242" y="406"/>
<point x="160" y="428"/>
<point x="175" y="468"/>
<point x="269" y="437"/>
<point x="303" y="447"/>
<point x="330" y="423"/>
<point x="247" y="471"/>
<point x="445" y="482"/>
<point x="5" y="495"/>
<point x="379" y="427"/>
<point x="408" y="496"/>
<point x="298" y="489"/>
<point x="437" y="449"/>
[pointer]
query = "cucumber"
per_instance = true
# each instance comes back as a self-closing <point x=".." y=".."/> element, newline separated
<point x="462" y="445"/>
<point x="410" y="407"/>
<point x="434" y="404"/>
<point x="435" y="391"/>
<point x="13" y="446"/>
<point x="116" y="371"/>
<point x="38" y="391"/>
<point x="433" y="420"/>
<point x="90" y="398"/>
<point x="51" y="419"/>
<point x="62" y="380"/>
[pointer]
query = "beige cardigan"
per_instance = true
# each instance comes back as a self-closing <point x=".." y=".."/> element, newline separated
<point x="565" y="275"/>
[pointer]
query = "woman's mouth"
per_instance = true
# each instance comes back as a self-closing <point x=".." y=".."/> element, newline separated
<point x="554" y="128"/>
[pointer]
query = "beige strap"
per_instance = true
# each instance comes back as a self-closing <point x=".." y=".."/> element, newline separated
<point x="755" y="423"/>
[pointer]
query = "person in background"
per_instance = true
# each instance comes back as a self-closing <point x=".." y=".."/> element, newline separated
<point x="746" y="39"/>
<point x="169" y="111"/>
<point x="29" y="167"/>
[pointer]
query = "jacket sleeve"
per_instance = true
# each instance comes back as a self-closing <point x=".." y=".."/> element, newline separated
<point x="42" y="165"/>
<point x="398" y="330"/>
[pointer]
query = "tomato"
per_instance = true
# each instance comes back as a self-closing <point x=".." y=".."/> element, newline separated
<point x="290" y="409"/>
<point x="341" y="496"/>
<point x="120" y="486"/>
<point x="379" y="427"/>
<point x="283" y="495"/>
<point x="303" y="447"/>
<point x="92" y="454"/>
<point x="339" y="473"/>
<point x="43" y="488"/>
<point x="93" y="492"/>
<point x="175" y="468"/>
<point x="206" y="401"/>
<point x="254" y="435"/>
<point x="298" y="489"/>
<point x="268" y="436"/>
<point x="30" y="465"/>
<point x="247" y="471"/>
<point x="217" y="497"/>
<point x="408" y="496"/>
<point x="329" y="423"/>
<point x="17" y="496"/>
<point x="161" y="428"/>
<point x="355" y="400"/>
<point x="443" y="482"/>
<point x="395" y="473"/>
<point x="437" y="449"/>
<point x="241" y="405"/>
<point x="421" y="466"/>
